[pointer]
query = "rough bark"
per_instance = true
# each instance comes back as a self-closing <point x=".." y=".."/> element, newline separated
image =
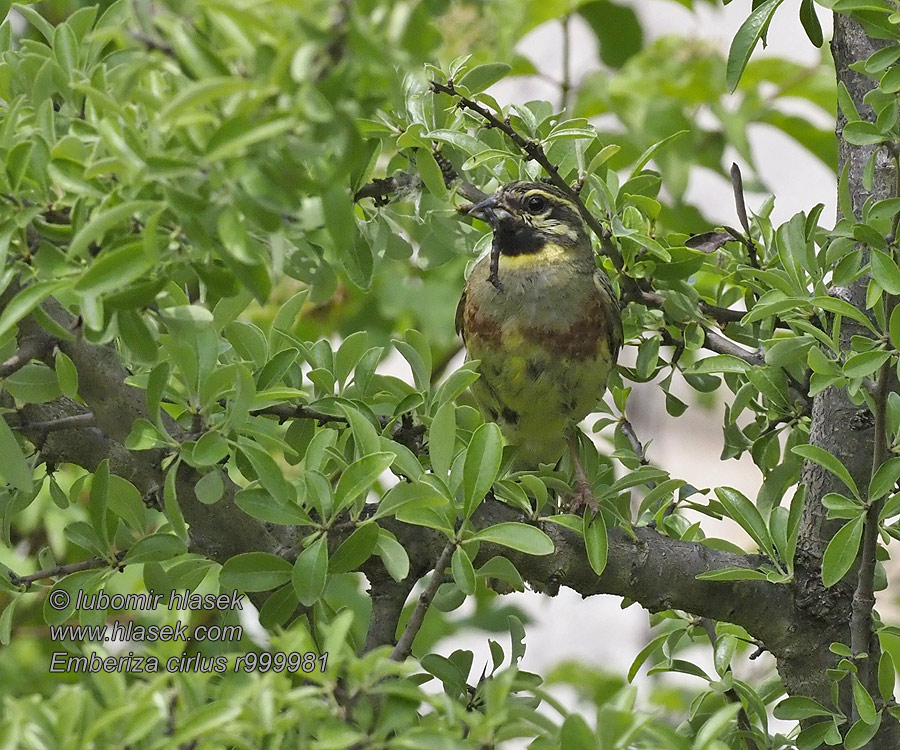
<point x="839" y="426"/>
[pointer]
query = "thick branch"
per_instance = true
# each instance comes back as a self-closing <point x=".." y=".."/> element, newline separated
<point x="388" y="598"/>
<point x="218" y="531"/>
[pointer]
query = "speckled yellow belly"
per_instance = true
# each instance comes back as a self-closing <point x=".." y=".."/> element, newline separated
<point x="534" y="393"/>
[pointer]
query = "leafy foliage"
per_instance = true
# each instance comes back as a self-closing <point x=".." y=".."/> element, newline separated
<point x="220" y="221"/>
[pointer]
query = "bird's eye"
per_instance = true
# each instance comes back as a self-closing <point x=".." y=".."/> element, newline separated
<point x="535" y="203"/>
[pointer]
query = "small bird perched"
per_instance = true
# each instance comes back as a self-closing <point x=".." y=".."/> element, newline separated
<point x="544" y="322"/>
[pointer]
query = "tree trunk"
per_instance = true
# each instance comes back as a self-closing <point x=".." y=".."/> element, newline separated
<point x="839" y="426"/>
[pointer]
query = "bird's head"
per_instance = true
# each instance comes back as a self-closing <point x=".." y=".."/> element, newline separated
<point x="527" y="217"/>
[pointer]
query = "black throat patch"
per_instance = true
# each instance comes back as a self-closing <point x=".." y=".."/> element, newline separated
<point x="518" y="238"/>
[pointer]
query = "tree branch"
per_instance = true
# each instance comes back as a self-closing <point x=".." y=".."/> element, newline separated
<point x="404" y="645"/>
<point x="388" y="597"/>
<point x="64" y="570"/>
<point x="864" y="595"/>
<point x="716" y="342"/>
<point x="29" y="348"/>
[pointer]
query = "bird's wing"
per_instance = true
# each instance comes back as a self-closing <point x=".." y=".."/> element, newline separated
<point x="460" y="314"/>
<point x="611" y="303"/>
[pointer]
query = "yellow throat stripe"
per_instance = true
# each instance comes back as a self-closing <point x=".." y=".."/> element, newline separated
<point x="550" y="253"/>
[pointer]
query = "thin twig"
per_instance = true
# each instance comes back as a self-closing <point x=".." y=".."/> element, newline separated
<point x="565" y="86"/>
<point x="153" y="44"/>
<point x="404" y="645"/>
<point x="633" y="440"/>
<point x="722" y="315"/>
<point x="535" y="152"/>
<point x="71" y="422"/>
<point x="29" y="349"/>
<point x="63" y="570"/>
<point x="300" y="411"/>
<point x="716" y="342"/>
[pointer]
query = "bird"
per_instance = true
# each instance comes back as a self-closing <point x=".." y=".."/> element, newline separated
<point x="544" y="323"/>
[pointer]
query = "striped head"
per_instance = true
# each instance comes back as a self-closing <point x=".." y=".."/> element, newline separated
<point x="527" y="216"/>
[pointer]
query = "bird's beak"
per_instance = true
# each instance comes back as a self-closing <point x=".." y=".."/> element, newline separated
<point x="490" y="211"/>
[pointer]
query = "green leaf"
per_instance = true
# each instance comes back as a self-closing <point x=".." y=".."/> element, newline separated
<point x="732" y="574"/>
<point x="810" y="22"/>
<point x="14" y="467"/>
<point x="405" y="493"/>
<point x="309" y="572"/>
<point x="254" y="571"/>
<point x="482" y="465"/>
<point x="442" y="437"/>
<point x="884" y="479"/>
<point x="355" y="549"/>
<point x="25" y="301"/>
<point x="887" y="676"/>
<point x="841" y="551"/>
<point x="483" y="76"/>
<point x="392" y="555"/>
<point x="719" y="363"/>
<point x="210" y="487"/>
<point x="155" y="548"/>
<point x="617" y="28"/>
<point x="103" y="221"/>
<point x="827" y="461"/>
<point x="127" y="503"/>
<point x="365" y="435"/>
<point x="114" y="270"/>
<point x="340" y="221"/>
<point x="6" y="621"/>
<point x="463" y="571"/>
<point x="518" y="536"/>
<point x="144" y="436"/>
<point x="260" y="504"/>
<point x="862" y="364"/>
<point x="209" y="449"/>
<point x="358" y="477"/>
<point x="885" y="271"/>
<point x="847" y="106"/>
<point x="861" y="732"/>
<point x="750" y="32"/>
<point x="66" y="374"/>
<point x="650" y="152"/>
<point x="235" y="136"/>
<point x="596" y="542"/>
<point x="863" y="133"/>
<point x="864" y="703"/>
<point x="575" y="734"/>
<point x="748" y="517"/>
<point x="196" y="94"/>
<point x="431" y="174"/>
<point x="170" y="503"/>
<point x="799" y="708"/>
<point x="268" y="471"/>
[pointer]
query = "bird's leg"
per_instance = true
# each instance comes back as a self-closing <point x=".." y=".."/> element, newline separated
<point x="581" y="494"/>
